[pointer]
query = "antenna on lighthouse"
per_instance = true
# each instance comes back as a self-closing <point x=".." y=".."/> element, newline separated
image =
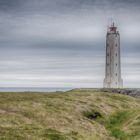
<point x="113" y="24"/>
<point x="109" y="23"/>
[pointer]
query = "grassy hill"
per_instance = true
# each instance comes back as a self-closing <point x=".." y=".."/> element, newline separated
<point x="74" y="115"/>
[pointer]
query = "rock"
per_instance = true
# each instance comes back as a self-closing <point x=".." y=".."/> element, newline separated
<point x="131" y="92"/>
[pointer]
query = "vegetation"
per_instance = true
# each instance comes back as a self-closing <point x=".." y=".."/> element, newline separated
<point x="85" y="114"/>
<point x="114" y="124"/>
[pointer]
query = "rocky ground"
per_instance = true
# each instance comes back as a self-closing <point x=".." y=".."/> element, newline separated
<point x="135" y="92"/>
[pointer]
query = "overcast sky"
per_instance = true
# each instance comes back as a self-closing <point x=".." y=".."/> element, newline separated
<point x="61" y="43"/>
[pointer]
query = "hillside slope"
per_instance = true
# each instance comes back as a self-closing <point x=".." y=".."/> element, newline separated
<point x="74" y="115"/>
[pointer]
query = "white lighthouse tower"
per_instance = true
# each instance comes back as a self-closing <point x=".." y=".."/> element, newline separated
<point x="113" y="59"/>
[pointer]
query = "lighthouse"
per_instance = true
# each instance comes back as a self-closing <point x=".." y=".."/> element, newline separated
<point x="113" y="59"/>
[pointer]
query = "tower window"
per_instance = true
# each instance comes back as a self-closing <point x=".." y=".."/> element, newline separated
<point x="116" y="64"/>
<point x="116" y="83"/>
<point x="116" y="54"/>
<point x="116" y="74"/>
<point x="116" y="45"/>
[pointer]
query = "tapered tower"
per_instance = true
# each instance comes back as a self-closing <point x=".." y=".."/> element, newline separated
<point x="113" y="59"/>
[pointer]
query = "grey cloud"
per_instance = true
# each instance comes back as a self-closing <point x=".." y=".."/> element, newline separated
<point x="62" y="42"/>
<point x="52" y="6"/>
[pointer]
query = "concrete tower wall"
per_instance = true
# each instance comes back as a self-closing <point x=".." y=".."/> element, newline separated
<point x="113" y="62"/>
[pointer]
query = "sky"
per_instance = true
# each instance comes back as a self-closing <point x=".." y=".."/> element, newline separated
<point x="61" y="43"/>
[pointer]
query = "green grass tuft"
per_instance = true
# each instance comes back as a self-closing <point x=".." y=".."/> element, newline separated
<point x="55" y="135"/>
<point x="114" y="124"/>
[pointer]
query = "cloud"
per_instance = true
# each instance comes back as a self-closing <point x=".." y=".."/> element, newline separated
<point x="62" y="43"/>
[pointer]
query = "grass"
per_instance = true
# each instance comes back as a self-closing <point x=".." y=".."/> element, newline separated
<point x="120" y="124"/>
<point x="114" y="124"/>
<point x="81" y="114"/>
<point x="55" y="135"/>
